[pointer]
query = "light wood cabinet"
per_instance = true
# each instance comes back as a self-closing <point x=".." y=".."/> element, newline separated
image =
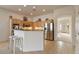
<point x="28" y="23"/>
<point x="21" y="22"/>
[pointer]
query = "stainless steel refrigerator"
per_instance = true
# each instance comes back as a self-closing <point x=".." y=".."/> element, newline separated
<point x="49" y="30"/>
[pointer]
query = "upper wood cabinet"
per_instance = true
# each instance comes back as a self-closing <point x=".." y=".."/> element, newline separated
<point x="21" y="22"/>
<point x="30" y="23"/>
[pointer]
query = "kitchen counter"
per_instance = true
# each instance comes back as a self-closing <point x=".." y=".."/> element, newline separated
<point x="30" y="30"/>
<point x="33" y="40"/>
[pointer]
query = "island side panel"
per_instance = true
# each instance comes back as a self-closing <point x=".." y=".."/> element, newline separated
<point x="33" y="41"/>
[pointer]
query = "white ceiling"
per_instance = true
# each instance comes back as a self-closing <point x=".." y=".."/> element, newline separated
<point x="29" y="9"/>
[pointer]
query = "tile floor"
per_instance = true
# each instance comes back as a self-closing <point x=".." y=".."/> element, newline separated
<point x="4" y="47"/>
<point x="51" y="47"/>
<point x="55" y="47"/>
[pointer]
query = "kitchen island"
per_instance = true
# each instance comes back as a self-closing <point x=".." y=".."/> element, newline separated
<point x="33" y="40"/>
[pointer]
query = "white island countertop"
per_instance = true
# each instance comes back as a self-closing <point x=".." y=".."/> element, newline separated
<point x="32" y="40"/>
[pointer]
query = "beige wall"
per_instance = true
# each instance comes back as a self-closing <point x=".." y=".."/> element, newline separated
<point x="4" y="19"/>
<point x="43" y="17"/>
<point x="67" y="11"/>
<point x="4" y="24"/>
<point x="64" y="22"/>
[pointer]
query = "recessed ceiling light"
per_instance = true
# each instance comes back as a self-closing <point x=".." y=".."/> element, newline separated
<point x="31" y="13"/>
<point x="44" y="10"/>
<point x="19" y="9"/>
<point x="34" y="7"/>
<point x="25" y="5"/>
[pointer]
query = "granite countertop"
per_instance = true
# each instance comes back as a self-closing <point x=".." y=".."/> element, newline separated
<point x="30" y="30"/>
